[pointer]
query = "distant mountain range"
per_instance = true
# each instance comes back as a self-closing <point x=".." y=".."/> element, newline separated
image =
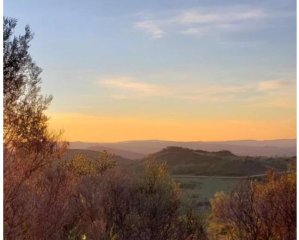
<point x="186" y="162"/>
<point x="140" y="149"/>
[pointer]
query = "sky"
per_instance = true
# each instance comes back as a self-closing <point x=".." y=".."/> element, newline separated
<point x="184" y="70"/>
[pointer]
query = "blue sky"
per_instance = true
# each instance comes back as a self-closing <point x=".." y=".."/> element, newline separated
<point x="166" y="60"/>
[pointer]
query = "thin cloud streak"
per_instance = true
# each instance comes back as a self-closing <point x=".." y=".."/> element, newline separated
<point x="194" y="16"/>
<point x="130" y="88"/>
<point x="150" y="27"/>
<point x="129" y="85"/>
<point x="271" y="85"/>
<point x="203" y="21"/>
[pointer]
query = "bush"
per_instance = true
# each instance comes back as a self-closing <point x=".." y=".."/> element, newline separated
<point x="257" y="210"/>
<point x="115" y="205"/>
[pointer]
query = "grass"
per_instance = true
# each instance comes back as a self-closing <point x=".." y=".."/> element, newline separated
<point x="197" y="191"/>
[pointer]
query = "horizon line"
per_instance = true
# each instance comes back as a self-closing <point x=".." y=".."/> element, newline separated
<point x="157" y="140"/>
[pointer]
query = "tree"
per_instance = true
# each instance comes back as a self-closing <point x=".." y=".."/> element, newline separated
<point x="28" y="144"/>
<point x="24" y="120"/>
<point x="82" y="166"/>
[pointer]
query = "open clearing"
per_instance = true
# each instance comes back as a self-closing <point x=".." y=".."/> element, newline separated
<point x="199" y="189"/>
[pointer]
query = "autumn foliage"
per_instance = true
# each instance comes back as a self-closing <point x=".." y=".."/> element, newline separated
<point x="257" y="210"/>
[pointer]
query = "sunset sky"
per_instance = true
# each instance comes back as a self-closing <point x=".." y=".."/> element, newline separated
<point x="170" y="70"/>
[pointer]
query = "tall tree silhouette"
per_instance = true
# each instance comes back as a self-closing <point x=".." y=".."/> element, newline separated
<point x="29" y="147"/>
<point x="24" y="120"/>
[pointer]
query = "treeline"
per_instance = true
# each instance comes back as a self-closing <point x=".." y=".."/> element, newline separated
<point x="46" y="197"/>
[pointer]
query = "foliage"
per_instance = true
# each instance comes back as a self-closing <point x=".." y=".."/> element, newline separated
<point x="29" y="147"/>
<point x="115" y="205"/>
<point x="257" y="210"/>
<point x="25" y="124"/>
<point x="82" y="166"/>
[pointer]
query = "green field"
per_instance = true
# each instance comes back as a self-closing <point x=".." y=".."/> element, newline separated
<point x="198" y="190"/>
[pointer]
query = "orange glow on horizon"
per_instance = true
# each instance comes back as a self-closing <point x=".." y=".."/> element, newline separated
<point x="92" y="128"/>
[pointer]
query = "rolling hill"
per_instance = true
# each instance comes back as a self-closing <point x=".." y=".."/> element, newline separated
<point x="184" y="161"/>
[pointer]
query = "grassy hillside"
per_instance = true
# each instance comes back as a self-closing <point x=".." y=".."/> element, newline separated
<point x="184" y="161"/>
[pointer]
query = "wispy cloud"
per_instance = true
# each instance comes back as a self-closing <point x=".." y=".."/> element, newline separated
<point x="241" y="92"/>
<point x="271" y="85"/>
<point x="203" y="21"/>
<point x="219" y="16"/>
<point x="125" y="86"/>
<point x="132" y="88"/>
<point x="216" y="92"/>
<point x="150" y="27"/>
